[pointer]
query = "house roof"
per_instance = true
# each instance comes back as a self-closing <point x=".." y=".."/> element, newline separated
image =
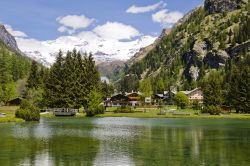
<point x="189" y="92"/>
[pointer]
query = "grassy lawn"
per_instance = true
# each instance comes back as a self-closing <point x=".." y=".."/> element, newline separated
<point x="139" y="113"/>
<point x="152" y="113"/>
<point x="10" y="114"/>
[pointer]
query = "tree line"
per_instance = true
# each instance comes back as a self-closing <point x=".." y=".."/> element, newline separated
<point x="13" y="67"/>
<point x="73" y="81"/>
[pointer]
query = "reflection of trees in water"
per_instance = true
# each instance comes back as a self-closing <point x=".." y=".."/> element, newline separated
<point x="13" y="148"/>
<point x="71" y="144"/>
<point x="22" y="144"/>
<point x="73" y="151"/>
<point x="187" y="146"/>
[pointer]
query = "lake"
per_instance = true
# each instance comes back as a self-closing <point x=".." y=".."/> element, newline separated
<point x="125" y="141"/>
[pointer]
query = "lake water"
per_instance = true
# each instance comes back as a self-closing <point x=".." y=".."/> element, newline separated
<point x="125" y="141"/>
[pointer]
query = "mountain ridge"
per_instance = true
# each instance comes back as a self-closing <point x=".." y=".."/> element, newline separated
<point x="201" y="41"/>
<point x="9" y="40"/>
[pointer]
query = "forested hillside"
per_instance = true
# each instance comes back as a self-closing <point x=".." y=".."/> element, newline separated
<point x="206" y="39"/>
<point x="13" y="69"/>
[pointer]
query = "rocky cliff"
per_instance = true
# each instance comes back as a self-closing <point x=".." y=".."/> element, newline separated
<point x="220" y="6"/>
<point x="8" y="39"/>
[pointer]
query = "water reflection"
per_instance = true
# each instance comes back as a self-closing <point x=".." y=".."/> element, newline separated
<point x="125" y="141"/>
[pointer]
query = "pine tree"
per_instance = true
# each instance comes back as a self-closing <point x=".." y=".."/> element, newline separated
<point x="239" y="94"/>
<point x="34" y="78"/>
<point x="54" y="88"/>
<point x="160" y="85"/>
<point x="146" y="88"/>
<point x="70" y="80"/>
<point x="212" y="90"/>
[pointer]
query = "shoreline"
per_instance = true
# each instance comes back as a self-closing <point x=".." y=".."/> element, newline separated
<point x="147" y="115"/>
<point x="150" y="113"/>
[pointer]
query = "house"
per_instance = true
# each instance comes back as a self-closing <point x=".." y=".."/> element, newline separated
<point x="117" y="100"/>
<point x="195" y="94"/>
<point x="166" y="97"/>
<point x="148" y="100"/>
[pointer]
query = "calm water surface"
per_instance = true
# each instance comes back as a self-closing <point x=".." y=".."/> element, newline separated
<point x="125" y="141"/>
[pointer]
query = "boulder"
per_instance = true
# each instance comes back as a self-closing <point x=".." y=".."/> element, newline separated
<point x="220" y="6"/>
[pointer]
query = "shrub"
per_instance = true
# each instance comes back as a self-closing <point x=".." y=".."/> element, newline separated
<point x="181" y="100"/>
<point x="213" y="110"/>
<point x="28" y="112"/>
<point x="196" y="105"/>
<point x="94" y="106"/>
<point x="124" y="109"/>
<point x="92" y="111"/>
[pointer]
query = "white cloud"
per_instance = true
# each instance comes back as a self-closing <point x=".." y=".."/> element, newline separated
<point x="65" y="29"/>
<point x="143" y="9"/>
<point x="62" y="29"/>
<point x="14" y="32"/>
<point x="166" y="18"/>
<point x="71" y="23"/>
<point x="116" y="30"/>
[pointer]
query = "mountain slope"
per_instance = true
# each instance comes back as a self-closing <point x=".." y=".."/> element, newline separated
<point x="204" y="39"/>
<point x="14" y="67"/>
<point x="8" y="39"/>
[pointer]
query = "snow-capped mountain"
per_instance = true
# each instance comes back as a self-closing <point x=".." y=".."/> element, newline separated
<point x="103" y="49"/>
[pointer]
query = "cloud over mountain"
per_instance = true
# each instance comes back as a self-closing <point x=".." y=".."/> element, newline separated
<point x="167" y="18"/>
<point x="71" y="23"/>
<point x="116" y="30"/>
<point x="13" y="32"/>
<point x="144" y="9"/>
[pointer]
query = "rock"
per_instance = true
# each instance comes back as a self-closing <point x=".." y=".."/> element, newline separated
<point x="215" y="59"/>
<point x="8" y="39"/>
<point x="220" y="6"/>
<point x="235" y="51"/>
<point x="200" y="49"/>
<point x="194" y="72"/>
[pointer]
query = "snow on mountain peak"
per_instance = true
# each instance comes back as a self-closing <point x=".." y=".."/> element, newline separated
<point x="103" y="49"/>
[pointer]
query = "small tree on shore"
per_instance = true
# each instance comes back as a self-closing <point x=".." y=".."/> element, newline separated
<point x="94" y="100"/>
<point x="213" y="95"/>
<point x="181" y="100"/>
<point x="28" y="111"/>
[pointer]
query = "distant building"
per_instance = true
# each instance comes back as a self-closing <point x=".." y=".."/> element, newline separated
<point x="131" y="99"/>
<point x="195" y="94"/>
<point x="166" y="97"/>
<point x="148" y="100"/>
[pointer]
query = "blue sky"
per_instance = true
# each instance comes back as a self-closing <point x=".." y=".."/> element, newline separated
<point x="38" y="18"/>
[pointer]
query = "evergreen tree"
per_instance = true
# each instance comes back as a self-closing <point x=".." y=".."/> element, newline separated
<point x="107" y="89"/>
<point x="34" y="79"/>
<point x="160" y="85"/>
<point x="70" y="80"/>
<point x="54" y="87"/>
<point x="212" y="90"/>
<point x="239" y="94"/>
<point x="146" y="88"/>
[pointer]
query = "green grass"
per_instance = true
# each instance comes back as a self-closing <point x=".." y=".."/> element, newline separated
<point x="152" y="113"/>
<point x="139" y="113"/>
<point x="10" y="114"/>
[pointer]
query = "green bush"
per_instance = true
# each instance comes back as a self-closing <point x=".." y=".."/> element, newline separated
<point x="124" y="109"/>
<point x="196" y="105"/>
<point x="28" y="112"/>
<point x="94" y="106"/>
<point x="213" y="110"/>
<point x="181" y="100"/>
<point x="92" y="111"/>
